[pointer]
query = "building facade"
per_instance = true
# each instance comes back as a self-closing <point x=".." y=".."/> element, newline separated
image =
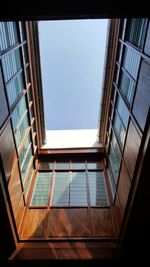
<point x="83" y="198"/>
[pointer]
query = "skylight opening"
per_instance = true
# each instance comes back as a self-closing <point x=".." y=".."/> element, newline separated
<point x="72" y="60"/>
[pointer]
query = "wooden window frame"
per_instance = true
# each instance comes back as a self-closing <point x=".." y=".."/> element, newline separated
<point x="71" y="170"/>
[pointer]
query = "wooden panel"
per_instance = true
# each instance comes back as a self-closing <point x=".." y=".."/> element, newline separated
<point x="33" y="223"/>
<point x="65" y="250"/>
<point x="147" y="46"/>
<point x="123" y="187"/>
<point x="3" y="103"/>
<point x="68" y="222"/>
<point x="116" y="216"/>
<point x="7" y="233"/>
<point x="20" y="212"/>
<point x="15" y="189"/>
<point x="102" y="223"/>
<point x="142" y="98"/>
<point x="131" y="148"/>
<point x="7" y="150"/>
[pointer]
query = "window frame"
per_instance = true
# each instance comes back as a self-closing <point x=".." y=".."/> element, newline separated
<point x="71" y="170"/>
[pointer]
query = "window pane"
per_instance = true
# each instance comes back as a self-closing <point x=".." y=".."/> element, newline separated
<point x="126" y="86"/>
<point x="112" y="185"/>
<point x="78" y="189"/>
<point x="24" y="151"/>
<point x="41" y="190"/>
<point x="136" y="31"/>
<point x="78" y="165"/>
<point x="62" y="165"/>
<point x="97" y="188"/>
<point x="115" y="157"/>
<point x="8" y="34"/>
<point x="26" y="163"/>
<point x="131" y="61"/>
<point x="20" y="133"/>
<point x="119" y="130"/>
<point x="95" y="165"/>
<point x="18" y="113"/>
<point x="14" y="89"/>
<point x="11" y="64"/>
<point x="26" y="190"/>
<point x="20" y="121"/>
<point x="61" y="189"/>
<point x="123" y="111"/>
<point x="46" y="165"/>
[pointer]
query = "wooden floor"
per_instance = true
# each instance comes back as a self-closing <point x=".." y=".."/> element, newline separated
<point x="66" y="223"/>
<point x="85" y="250"/>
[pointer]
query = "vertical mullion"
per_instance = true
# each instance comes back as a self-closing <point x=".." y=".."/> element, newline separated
<point x="70" y="181"/>
<point x="33" y="186"/>
<point x="89" y="210"/>
<point x="87" y="185"/>
<point x="51" y="188"/>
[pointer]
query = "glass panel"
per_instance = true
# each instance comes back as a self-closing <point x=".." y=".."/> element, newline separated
<point x="112" y="185"/>
<point x="8" y="35"/>
<point x="14" y="89"/>
<point x="61" y="189"/>
<point x="119" y="130"/>
<point x="115" y="157"/>
<point x="136" y="31"/>
<point x="26" y="163"/>
<point x="131" y="61"/>
<point x="78" y="165"/>
<point x="20" y="121"/>
<point x="97" y="188"/>
<point x="123" y="111"/>
<point x="18" y="113"/>
<point x="41" y="190"/>
<point x="62" y="165"/>
<point x="46" y="165"/>
<point x="11" y="64"/>
<point x="78" y="189"/>
<point x="26" y="190"/>
<point x="21" y="130"/>
<point x="24" y="150"/>
<point x="95" y="165"/>
<point x="126" y="86"/>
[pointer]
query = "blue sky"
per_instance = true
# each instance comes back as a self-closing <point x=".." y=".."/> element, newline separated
<point x="72" y="58"/>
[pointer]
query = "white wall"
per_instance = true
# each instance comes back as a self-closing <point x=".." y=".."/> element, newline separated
<point x="72" y="139"/>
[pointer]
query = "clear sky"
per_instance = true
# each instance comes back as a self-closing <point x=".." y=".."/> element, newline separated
<point x="72" y="58"/>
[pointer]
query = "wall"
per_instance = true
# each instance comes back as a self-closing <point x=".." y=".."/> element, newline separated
<point x="131" y="141"/>
<point x="72" y="139"/>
